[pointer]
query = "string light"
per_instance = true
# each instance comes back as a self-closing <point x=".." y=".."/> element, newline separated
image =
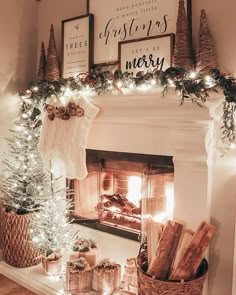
<point x="192" y="75"/>
<point x="232" y="146"/>
<point x="153" y="82"/>
<point x="35" y="88"/>
<point x="119" y="84"/>
<point x="171" y="83"/>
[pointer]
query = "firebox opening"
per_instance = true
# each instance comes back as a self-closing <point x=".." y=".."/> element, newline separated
<point x="122" y="190"/>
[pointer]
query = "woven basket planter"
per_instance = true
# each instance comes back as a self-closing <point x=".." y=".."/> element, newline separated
<point x="17" y="250"/>
<point x="148" y="285"/>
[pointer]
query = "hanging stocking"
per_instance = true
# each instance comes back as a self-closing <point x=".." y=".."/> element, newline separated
<point x="64" y="136"/>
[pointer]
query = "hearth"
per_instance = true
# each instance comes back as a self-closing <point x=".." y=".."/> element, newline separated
<point x="123" y="190"/>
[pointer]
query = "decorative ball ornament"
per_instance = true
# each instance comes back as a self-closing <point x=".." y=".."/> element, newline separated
<point x="79" y="111"/>
<point x="51" y="117"/>
<point x="65" y="116"/>
<point x="49" y="109"/>
<point x="64" y="112"/>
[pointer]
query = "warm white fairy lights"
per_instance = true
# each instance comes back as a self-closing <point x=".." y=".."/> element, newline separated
<point x="23" y="166"/>
<point x="50" y="227"/>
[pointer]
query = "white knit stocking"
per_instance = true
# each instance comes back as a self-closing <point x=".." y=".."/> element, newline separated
<point x="65" y="140"/>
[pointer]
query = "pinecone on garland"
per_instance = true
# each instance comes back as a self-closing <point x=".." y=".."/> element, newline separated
<point x="52" y="65"/>
<point x="206" y="53"/>
<point x="42" y="64"/>
<point x="183" y="52"/>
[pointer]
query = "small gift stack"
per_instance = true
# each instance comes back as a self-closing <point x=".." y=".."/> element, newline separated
<point x="129" y="284"/>
<point x="106" y="277"/>
<point x="85" y="248"/>
<point x="78" y="276"/>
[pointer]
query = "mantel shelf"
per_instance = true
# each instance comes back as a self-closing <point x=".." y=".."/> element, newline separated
<point x="151" y="106"/>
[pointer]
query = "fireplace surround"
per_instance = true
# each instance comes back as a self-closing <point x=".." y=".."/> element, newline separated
<point x="122" y="191"/>
<point x="144" y="122"/>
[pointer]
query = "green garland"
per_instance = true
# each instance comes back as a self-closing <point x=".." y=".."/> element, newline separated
<point x="195" y="87"/>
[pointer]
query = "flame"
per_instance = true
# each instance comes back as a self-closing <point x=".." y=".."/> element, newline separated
<point x="169" y="212"/>
<point x="134" y="189"/>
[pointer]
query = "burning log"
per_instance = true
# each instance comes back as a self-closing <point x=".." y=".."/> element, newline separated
<point x="120" y="202"/>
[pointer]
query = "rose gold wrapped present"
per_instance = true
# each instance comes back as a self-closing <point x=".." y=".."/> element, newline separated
<point x="85" y="248"/>
<point x="106" y="277"/>
<point x="78" y="276"/>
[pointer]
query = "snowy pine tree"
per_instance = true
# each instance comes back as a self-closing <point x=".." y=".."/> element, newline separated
<point x="51" y="228"/>
<point x="24" y="184"/>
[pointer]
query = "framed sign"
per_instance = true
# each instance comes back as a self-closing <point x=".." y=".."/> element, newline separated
<point x="146" y="54"/>
<point x="77" y="45"/>
<point x="116" y="21"/>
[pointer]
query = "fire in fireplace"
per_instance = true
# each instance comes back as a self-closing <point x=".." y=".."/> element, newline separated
<point x="123" y="189"/>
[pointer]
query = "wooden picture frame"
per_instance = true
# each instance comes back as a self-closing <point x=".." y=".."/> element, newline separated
<point x="146" y="54"/>
<point x="77" y="45"/>
<point x="123" y="20"/>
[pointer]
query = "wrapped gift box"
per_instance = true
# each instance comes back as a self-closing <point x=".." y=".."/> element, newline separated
<point x="85" y="248"/>
<point x="106" y="277"/>
<point x="91" y="256"/>
<point x="78" y="276"/>
<point x="52" y="264"/>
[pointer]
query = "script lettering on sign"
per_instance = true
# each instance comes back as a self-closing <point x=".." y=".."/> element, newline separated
<point x="146" y="54"/>
<point x="124" y="20"/>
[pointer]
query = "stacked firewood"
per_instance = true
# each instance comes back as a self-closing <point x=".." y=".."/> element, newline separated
<point x="178" y="252"/>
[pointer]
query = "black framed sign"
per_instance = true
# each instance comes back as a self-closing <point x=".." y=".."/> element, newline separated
<point x="146" y="54"/>
<point x="116" y="21"/>
<point x="77" y="45"/>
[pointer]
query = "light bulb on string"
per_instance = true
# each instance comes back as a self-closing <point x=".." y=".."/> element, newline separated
<point x="232" y="146"/>
<point x="171" y="83"/>
<point x="153" y="82"/>
<point x="35" y="89"/>
<point x="192" y="75"/>
<point x="24" y="116"/>
<point x="119" y="84"/>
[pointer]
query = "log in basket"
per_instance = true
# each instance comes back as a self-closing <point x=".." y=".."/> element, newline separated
<point x="148" y="285"/>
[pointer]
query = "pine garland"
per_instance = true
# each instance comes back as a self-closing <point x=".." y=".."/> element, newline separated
<point x="189" y="86"/>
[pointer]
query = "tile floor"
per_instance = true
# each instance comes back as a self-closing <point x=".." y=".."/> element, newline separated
<point x="8" y="287"/>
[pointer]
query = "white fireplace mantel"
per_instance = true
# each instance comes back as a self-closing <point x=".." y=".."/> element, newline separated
<point x="151" y="124"/>
<point x="148" y="123"/>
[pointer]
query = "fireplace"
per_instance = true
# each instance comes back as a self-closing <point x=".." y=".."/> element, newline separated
<point x="122" y="190"/>
<point x="204" y="183"/>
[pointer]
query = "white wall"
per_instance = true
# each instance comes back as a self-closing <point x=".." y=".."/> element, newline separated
<point x="53" y="12"/>
<point x="18" y="35"/>
<point x="223" y="208"/>
<point x="222" y="22"/>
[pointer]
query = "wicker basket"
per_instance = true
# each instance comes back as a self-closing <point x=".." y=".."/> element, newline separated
<point x="17" y="250"/>
<point x="148" y="285"/>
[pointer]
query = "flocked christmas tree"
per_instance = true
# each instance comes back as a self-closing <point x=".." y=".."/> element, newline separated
<point x="51" y="229"/>
<point x="24" y="184"/>
<point x="183" y="53"/>
<point x="206" y="53"/>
